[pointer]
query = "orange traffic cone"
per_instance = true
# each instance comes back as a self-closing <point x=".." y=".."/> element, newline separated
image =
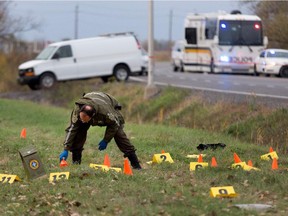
<point x="236" y="158"/>
<point x="200" y="159"/>
<point x="250" y="163"/>
<point x="127" y="169"/>
<point x="275" y="164"/>
<point x="271" y="150"/>
<point x="23" y="133"/>
<point x="63" y="163"/>
<point x="213" y="162"/>
<point x="162" y="152"/>
<point x="107" y="160"/>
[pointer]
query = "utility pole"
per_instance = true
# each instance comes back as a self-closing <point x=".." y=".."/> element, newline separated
<point x="170" y="28"/>
<point x="76" y="22"/>
<point x="150" y="89"/>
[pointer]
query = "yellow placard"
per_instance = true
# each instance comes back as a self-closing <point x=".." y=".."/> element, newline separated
<point x="248" y="168"/>
<point x="198" y="165"/>
<point x="225" y="191"/>
<point x="269" y="156"/>
<point x="99" y="166"/>
<point x="164" y="157"/>
<point x="58" y="176"/>
<point x="196" y="156"/>
<point x="239" y="165"/>
<point x="115" y="169"/>
<point x="5" y="178"/>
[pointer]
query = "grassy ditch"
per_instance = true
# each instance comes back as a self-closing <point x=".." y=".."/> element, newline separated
<point x="164" y="189"/>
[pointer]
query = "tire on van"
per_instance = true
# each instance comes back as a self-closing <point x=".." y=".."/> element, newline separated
<point x="121" y="72"/>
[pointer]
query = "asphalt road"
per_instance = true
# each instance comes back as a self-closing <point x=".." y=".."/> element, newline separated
<point x="239" y="84"/>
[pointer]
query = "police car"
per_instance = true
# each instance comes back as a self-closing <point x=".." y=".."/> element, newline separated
<point x="272" y="61"/>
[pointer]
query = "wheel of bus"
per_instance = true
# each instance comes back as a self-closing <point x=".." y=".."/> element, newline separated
<point x="255" y="71"/>
<point x="34" y="86"/>
<point x="175" y="68"/>
<point x="47" y="80"/>
<point x="181" y="67"/>
<point x="284" y="72"/>
<point x="121" y="72"/>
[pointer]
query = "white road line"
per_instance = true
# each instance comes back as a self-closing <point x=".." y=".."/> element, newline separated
<point x="213" y="90"/>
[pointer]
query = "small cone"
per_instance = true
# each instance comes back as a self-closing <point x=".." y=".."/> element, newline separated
<point x="107" y="160"/>
<point x="63" y="163"/>
<point x="127" y="168"/>
<point x="275" y="164"/>
<point x="162" y="152"/>
<point x="200" y="159"/>
<point x="236" y="158"/>
<point x="213" y="162"/>
<point x="250" y="163"/>
<point x="23" y="133"/>
<point x="271" y="149"/>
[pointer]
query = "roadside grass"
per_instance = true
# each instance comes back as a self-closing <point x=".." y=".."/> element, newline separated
<point x="162" y="189"/>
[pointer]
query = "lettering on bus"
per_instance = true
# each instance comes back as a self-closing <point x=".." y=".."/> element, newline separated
<point x="236" y="59"/>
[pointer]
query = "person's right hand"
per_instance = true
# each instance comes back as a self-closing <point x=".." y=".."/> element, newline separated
<point x="63" y="155"/>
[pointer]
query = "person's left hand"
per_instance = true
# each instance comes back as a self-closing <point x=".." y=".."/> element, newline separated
<point x="102" y="145"/>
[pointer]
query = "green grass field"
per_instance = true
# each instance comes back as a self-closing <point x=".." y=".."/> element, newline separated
<point x="161" y="189"/>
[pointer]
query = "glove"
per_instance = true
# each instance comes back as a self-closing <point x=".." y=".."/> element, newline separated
<point x="102" y="145"/>
<point x="63" y="155"/>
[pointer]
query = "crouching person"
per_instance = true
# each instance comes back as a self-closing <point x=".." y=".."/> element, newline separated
<point x="97" y="109"/>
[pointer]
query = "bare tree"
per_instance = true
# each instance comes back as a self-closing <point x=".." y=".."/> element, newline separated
<point x="274" y="15"/>
<point x="9" y="25"/>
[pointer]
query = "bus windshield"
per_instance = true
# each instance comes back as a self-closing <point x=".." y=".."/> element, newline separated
<point x="237" y="33"/>
<point x="46" y="53"/>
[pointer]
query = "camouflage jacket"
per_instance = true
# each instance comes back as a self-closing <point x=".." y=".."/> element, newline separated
<point x="107" y="114"/>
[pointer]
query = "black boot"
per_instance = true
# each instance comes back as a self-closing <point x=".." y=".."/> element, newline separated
<point x="76" y="157"/>
<point x="134" y="161"/>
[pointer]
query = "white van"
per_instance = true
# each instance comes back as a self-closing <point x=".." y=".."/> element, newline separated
<point x="177" y="56"/>
<point x="117" y="55"/>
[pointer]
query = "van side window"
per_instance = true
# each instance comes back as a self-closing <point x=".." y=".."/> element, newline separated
<point x="63" y="52"/>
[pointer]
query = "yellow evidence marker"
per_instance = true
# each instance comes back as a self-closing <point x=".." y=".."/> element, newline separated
<point x="225" y="191"/>
<point x="269" y="156"/>
<point x="5" y="178"/>
<point x="58" y="176"/>
<point x="164" y="157"/>
<point x="104" y="167"/>
<point x="197" y="165"/>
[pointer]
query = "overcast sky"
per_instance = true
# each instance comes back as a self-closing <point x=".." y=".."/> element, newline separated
<point x="57" y="18"/>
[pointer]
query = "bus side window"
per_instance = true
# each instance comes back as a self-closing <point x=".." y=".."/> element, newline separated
<point x="191" y="35"/>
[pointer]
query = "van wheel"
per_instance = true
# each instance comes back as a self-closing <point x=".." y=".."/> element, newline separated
<point x="121" y="72"/>
<point x="47" y="80"/>
<point x="284" y="72"/>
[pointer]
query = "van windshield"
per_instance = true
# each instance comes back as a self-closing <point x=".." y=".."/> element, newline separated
<point x="46" y="53"/>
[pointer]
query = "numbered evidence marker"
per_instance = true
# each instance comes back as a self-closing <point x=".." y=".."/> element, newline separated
<point x="197" y="165"/>
<point x="104" y="167"/>
<point x="269" y="156"/>
<point x="164" y="157"/>
<point x="58" y="176"/>
<point x="4" y="178"/>
<point x="244" y="166"/>
<point x="225" y="191"/>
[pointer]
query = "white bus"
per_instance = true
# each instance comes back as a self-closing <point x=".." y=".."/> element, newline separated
<point x="222" y="42"/>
